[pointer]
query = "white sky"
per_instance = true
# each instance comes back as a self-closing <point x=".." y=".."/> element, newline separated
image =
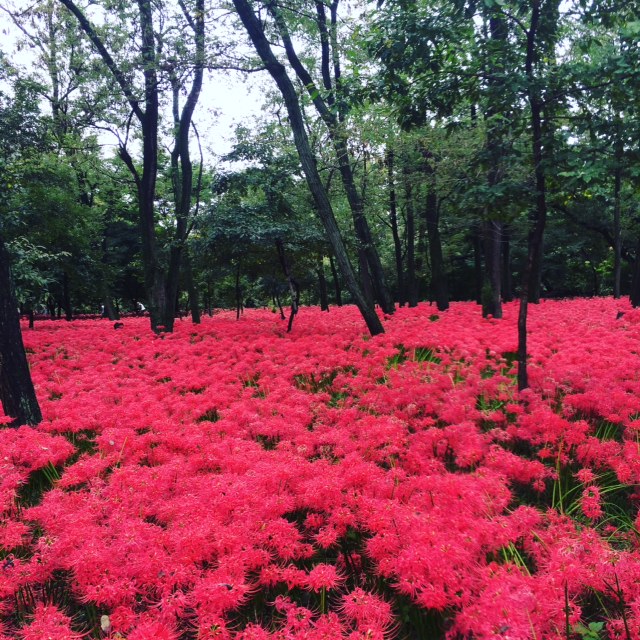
<point x="225" y="102"/>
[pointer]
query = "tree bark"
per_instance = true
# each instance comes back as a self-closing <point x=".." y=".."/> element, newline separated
<point x="634" y="294"/>
<point x="492" y="294"/>
<point x="192" y="290"/>
<point x="323" y="205"/>
<point x="339" y="141"/>
<point x="66" y="297"/>
<point x="410" y="226"/>
<point x="393" y="219"/>
<point x="336" y="282"/>
<point x="476" y="241"/>
<point x="617" y="235"/>
<point x="181" y="164"/>
<point x="536" y="234"/>
<point x="439" y="284"/>
<point x="17" y="393"/>
<point x="154" y="276"/>
<point x="322" y="286"/>
<point x="294" y="290"/>
<point x="507" y="280"/>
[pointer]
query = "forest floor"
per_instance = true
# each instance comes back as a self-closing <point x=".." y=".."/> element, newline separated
<point x="232" y="480"/>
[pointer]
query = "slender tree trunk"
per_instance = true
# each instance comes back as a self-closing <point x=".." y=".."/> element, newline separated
<point x="491" y="294"/>
<point x="495" y="142"/>
<point x="334" y="121"/>
<point x="294" y="290"/>
<point x="336" y="282"/>
<point x="393" y="219"/>
<point x="507" y="280"/>
<point x="239" y="305"/>
<point x="439" y="284"/>
<point x="323" y="205"/>
<point x="16" y="387"/>
<point x="154" y="278"/>
<point x="322" y="286"/>
<point x="365" y="276"/>
<point x="410" y="227"/>
<point x="192" y="290"/>
<point x="536" y="234"/>
<point x="66" y="297"/>
<point x="109" y="310"/>
<point x="476" y="241"/>
<point x="617" y="235"/>
<point x="634" y="294"/>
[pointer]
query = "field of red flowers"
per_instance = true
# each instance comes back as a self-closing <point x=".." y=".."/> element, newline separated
<point x="231" y="480"/>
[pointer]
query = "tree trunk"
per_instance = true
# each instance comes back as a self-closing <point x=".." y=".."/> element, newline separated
<point x="617" y="235"/>
<point x="181" y="165"/>
<point x="192" y="290"/>
<point x="146" y="182"/>
<point x="239" y="305"/>
<point x="336" y="282"/>
<point x="335" y="127"/>
<point x="411" y="281"/>
<point x="66" y="297"/>
<point x="495" y="141"/>
<point x="634" y="294"/>
<point x="294" y="290"/>
<point x="323" y="205"/>
<point x="476" y="241"/>
<point x="109" y="310"/>
<point x="536" y="234"/>
<point x="507" y="280"/>
<point x="491" y="294"/>
<point x="393" y="219"/>
<point x="322" y="286"/>
<point x="17" y="393"/>
<point x="439" y="284"/>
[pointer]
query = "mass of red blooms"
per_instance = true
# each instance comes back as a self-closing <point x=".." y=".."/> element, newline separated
<point x="232" y="480"/>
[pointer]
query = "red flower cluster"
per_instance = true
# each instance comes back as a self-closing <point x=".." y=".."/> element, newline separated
<point x="234" y="481"/>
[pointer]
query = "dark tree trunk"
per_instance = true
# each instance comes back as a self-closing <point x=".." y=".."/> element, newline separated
<point x="322" y="286"/>
<point x="294" y="290"/>
<point x="495" y="142"/>
<point x="192" y="290"/>
<point x="536" y="234"/>
<point x="507" y="280"/>
<point x="109" y="310"/>
<point x="154" y="277"/>
<point x="277" y="71"/>
<point x="66" y="297"/>
<point x="278" y="303"/>
<point x="181" y="165"/>
<point x="410" y="226"/>
<point x="491" y="294"/>
<point x="617" y="235"/>
<point x="365" y="276"/>
<point x="439" y="284"/>
<point x="239" y="305"/>
<point x="336" y="282"/>
<point x="333" y="119"/>
<point x="634" y="294"/>
<point x="32" y="319"/>
<point x="393" y="219"/>
<point x="476" y="241"/>
<point x="17" y="394"/>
